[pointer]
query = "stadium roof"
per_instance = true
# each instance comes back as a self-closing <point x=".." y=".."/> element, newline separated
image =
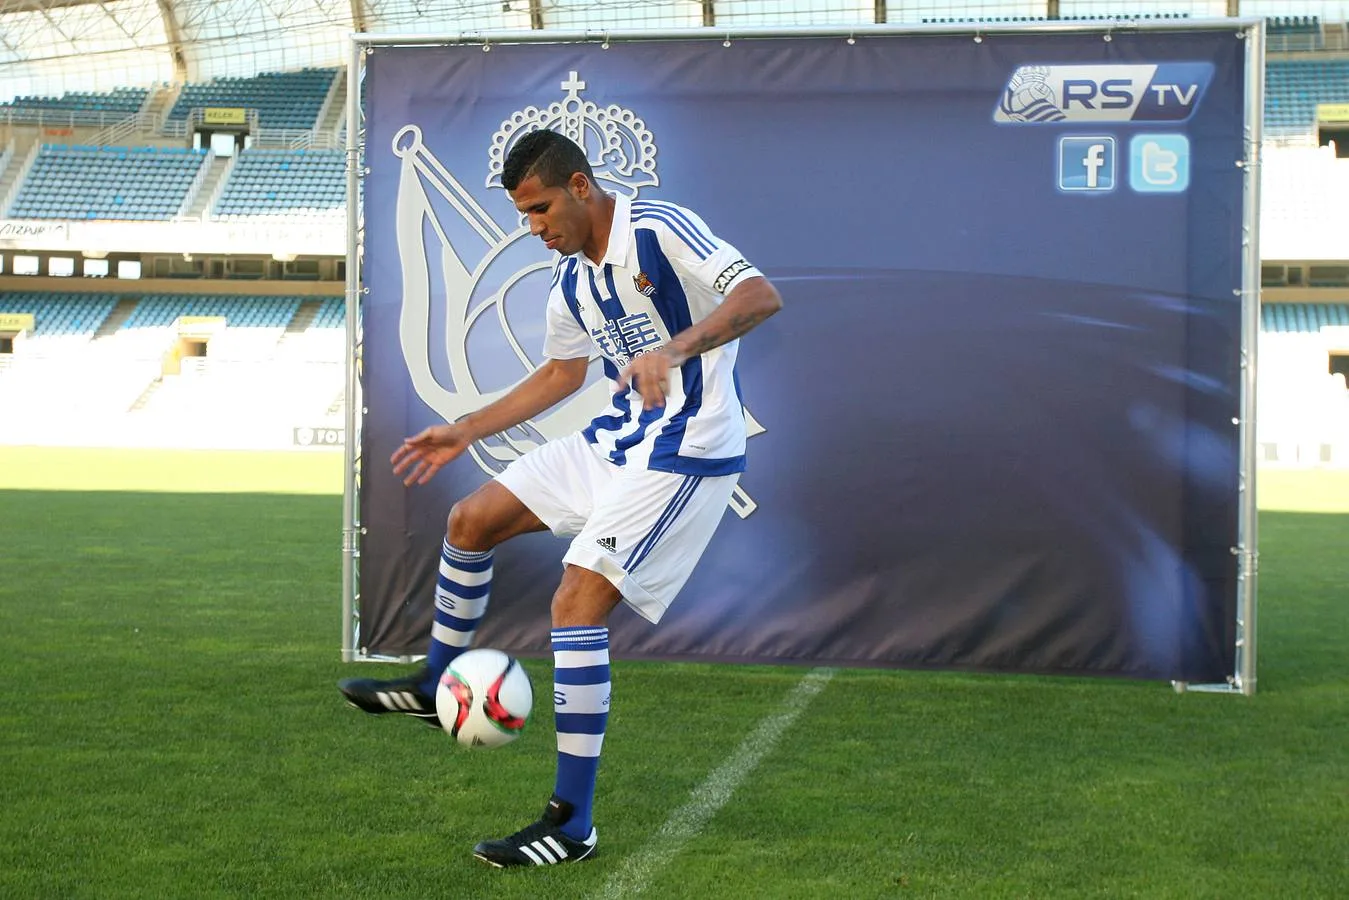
<point x="52" y="47"/>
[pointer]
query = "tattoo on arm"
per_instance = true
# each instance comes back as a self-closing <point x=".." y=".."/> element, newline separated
<point x="738" y="325"/>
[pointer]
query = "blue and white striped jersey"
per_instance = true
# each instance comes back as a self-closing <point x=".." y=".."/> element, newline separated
<point x="663" y="271"/>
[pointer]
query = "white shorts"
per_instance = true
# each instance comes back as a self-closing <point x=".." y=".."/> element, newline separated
<point x="643" y="530"/>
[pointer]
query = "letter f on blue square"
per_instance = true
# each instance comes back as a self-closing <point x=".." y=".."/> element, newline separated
<point x="1087" y="163"/>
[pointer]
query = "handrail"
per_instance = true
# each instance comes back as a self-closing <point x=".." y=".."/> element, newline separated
<point x="67" y="118"/>
<point x="117" y="131"/>
<point x="218" y="190"/>
<point x="195" y="187"/>
<point x="339" y="79"/>
<point x="8" y="200"/>
<point x="171" y="92"/>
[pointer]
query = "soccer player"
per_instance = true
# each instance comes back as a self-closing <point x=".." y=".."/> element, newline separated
<point x="640" y="490"/>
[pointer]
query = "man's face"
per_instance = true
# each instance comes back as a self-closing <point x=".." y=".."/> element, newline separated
<point x="557" y="215"/>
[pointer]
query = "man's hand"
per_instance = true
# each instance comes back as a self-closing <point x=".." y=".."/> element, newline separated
<point x="422" y="456"/>
<point x="749" y="303"/>
<point x="651" y="373"/>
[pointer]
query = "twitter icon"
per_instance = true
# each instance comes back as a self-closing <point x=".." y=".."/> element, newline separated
<point x="1159" y="163"/>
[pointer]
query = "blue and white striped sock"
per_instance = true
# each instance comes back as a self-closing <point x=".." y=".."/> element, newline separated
<point x="461" y="599"/>
<point x="581" y="711"/>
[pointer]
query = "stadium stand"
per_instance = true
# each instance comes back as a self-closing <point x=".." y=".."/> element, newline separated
<point x="1294" y="24"/>
<point x="85" y="182"/>
<point x="1303" y="403"/>
<point x="147" y="368"/>
<point x="285" y="182"/>
<point x="58" y="377"/>
<point x="1303" y="213"/>
<point x="78" y="105"/>
<point x="282" y="348"/>
<point x="316" y="334"/>
<point x="253" y="325"/>
<point x="1293" y="88"/>
<point x="162" y="310"/>
<point x="331" y="313"/>
<point x="1303" y="318"/>
<point x="282" y="99"/>
<point x="60" y="321"/>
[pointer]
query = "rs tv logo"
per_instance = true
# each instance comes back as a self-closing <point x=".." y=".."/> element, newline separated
<point x="1161" y="92"/>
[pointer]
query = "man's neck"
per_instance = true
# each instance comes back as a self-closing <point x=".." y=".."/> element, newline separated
<point x="601" y="224"/>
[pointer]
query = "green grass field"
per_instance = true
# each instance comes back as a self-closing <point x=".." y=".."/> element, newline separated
<point x="170" y="729"/>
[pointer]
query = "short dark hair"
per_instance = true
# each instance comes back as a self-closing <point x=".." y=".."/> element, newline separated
<point x="553" y="157"/>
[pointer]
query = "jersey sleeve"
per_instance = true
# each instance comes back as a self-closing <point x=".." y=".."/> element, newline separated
<point x="704" y="257"/>
<point x="564" y="337"/>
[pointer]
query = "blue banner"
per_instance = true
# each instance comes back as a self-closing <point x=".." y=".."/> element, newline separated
<point x="992" y="427"/>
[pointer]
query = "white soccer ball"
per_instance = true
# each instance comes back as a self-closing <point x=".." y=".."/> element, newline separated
<point x="484" y="698"/>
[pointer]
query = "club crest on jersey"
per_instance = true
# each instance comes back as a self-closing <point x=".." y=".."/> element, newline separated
<point x="643" y="284"/>
<point x="475" y="264"/>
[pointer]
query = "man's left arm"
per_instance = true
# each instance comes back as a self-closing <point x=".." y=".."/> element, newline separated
<point x="749" y="303"/>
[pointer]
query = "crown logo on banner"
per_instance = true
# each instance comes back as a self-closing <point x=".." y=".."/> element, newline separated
<point x="619" y="146"/>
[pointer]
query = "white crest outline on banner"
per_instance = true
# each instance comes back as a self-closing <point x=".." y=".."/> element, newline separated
<point x="622" y="152"/>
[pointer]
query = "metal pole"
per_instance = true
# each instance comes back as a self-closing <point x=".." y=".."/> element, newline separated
<point x="1247" y="551"/>
<point x="350" y="537"/>
<point x="1250" y="334"/>
<point x="551" y="36"/>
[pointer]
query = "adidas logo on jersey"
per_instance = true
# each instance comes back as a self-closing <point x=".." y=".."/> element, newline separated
<point x="610" y="544"/>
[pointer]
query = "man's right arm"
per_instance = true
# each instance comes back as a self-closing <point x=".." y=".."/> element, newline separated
<point x="550" y="384"/>
<point x="419" y="458"/>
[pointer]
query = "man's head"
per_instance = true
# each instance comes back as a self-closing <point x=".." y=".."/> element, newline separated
<point x="550" y="180"/>
<point x="553" y="157"/>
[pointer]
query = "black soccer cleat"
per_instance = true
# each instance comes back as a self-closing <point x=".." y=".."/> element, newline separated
<point x="398" y="695"/>
<point x="540" y="844"/>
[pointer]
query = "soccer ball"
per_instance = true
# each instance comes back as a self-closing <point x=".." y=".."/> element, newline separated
<point x="484" y="699"/>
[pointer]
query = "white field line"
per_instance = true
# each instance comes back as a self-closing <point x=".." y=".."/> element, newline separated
<point x="686" y="822"/>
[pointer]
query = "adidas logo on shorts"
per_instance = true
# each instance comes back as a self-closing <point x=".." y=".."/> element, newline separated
<point x="610" y="544"/>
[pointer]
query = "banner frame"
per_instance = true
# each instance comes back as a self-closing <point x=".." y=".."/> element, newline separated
<point x="1243" y="679"/>
<point x="351" y="545"/>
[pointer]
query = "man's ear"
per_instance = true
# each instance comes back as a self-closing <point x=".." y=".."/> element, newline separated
<point x="580" y="185"/>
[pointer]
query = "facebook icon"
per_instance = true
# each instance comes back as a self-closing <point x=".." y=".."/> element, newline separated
<point x="1087" y="163"/>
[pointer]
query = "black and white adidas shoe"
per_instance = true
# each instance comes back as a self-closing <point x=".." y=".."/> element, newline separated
<point x="398" y="695"/>
<point x="540" y="844"/>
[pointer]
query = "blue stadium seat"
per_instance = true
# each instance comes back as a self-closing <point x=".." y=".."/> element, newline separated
<point x="332" y="313"/>
<point x="1303" y="317"/>
<point x="83" y="182"/>
<point x="60" y="313"/>
<point x="1308" y="25"/>
<point x="80" y="105"/>
<point x="285" y="182"/>
<point x="282" y="99"/>
<point x="1293" y="88"/>
<point x="160" y="310"/>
